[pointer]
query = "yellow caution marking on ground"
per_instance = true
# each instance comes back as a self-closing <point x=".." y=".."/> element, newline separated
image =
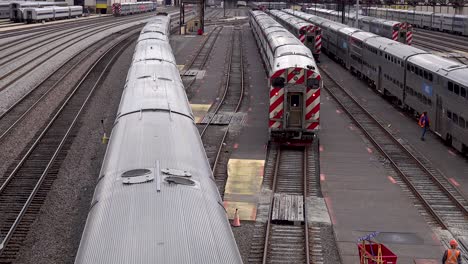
<point x="199" y="111"/>
<point x="243" y="186"/>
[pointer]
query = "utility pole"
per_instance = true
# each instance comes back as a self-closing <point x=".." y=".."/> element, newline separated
<point x="357" y="13"/>
<point x="224" y="7"/>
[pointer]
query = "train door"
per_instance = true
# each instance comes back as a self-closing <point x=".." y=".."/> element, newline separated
<point x="438" y="114"/>
<point x="379" y="80"/>
<point x="294" y="111"/>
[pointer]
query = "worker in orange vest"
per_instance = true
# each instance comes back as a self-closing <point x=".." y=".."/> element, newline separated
<point x="452" y="255"/>
<point x="424" y="123"/>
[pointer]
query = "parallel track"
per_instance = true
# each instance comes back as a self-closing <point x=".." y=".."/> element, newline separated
<point x="288" y="243"/>
<point x="25" y="189"/>
<point x="53" y="52"/>
<point x="230" y="103"/>
<point x="446" y="204"/>
<point x="21" y="108"/>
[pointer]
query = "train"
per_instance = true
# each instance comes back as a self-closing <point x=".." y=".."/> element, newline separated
<point x="156" y="200"/>
<point x="17" y="8"/>
<point x="456" y="24"/>
<point x="307" y="33"/>
<point x="294" y="81"/>
<point x="268" y="5"/>
<point x="33" y="15"/>
<point x="414" y="79"/>
<point x="395" y="30"/>
<point x="124" y="9"/>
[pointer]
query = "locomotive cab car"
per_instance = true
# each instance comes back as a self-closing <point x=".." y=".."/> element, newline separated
<point x="294" y="80"/>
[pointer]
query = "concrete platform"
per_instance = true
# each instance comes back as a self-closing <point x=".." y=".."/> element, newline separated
<point x="361" y="198"/>
<point x="445" y="159"/>
<point x="245" y="168"/>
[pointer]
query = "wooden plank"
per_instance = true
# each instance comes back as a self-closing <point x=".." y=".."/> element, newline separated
<point x="288" y="207"/>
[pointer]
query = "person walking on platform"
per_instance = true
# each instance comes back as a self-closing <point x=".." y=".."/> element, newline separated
<point x="424" y="123"/>
<point x="452" y="255"/>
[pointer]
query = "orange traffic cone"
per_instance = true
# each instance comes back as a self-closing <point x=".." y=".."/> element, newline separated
<point x="236" y="221"/>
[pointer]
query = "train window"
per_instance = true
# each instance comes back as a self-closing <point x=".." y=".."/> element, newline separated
<point x="408" y="67"/>
<point x="456" y="89"/>
<point x="385" y="55"/>
<point x="425" y="75"/>
<point x="461" y="122"/>
<point x="430" y="77"/>
<point x="455" y="118"/>
<point x="449" y="114"/>
<point x="450" y="86"/>
<point x="295" y="100"/>
<point x="462" y="92"/>
<point x="429" y="101"/>
<point x="278" y="82"/>
<point x="412" y="68"/>
<point x="312" y="82"/>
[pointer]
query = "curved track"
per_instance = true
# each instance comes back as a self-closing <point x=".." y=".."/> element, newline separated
<point x="227" y="107"/>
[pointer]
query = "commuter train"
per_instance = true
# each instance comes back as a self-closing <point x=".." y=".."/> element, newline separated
<point x="4" y="10"/>
<point x="33" y="15"/>
<point x="398" y="31"/>
<point x="294" y="80"/>
<point x="457" y="24"/>
<point x="156" y="200"/>
<point x="124" y="9"/>
<point x="268" y="5"/>
<point x="17" y="9"/>
<point x="307" y="33"/>
<point x="414" y="79"/>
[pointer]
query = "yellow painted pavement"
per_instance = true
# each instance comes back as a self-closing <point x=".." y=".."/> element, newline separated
<point x="243" y="186"/>
<point x="199" y="111"/>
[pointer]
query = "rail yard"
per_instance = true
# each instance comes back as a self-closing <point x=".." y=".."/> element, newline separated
<point x="266" y="132"/>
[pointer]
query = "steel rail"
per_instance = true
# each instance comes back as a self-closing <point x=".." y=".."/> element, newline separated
<point x="239" y="102"/>
<point x="37" y="186"/>
<point x="403" y="175"/>
<point x="34" y="90"/>
<point x="270" y="210"/>
<point x="57" y="51"/>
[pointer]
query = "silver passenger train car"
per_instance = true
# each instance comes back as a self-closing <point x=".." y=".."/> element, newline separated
<point x="156" y="200"/>
<point x="414" y="79"/>
<point x="395" y="30"/>
<point x="307" y="33"/>
<point x="33" y="15"/>
<point x="457" y="24"/>
<point x="17" y="8"/>
<point x="124" y="9"/>
<point x="295" y="81"/>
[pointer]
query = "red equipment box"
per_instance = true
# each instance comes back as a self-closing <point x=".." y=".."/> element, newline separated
<point x="372" y="256"/>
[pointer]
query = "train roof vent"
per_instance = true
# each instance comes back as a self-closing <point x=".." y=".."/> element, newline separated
<point x="137" y="176"/>
<point x="179" y="180"/>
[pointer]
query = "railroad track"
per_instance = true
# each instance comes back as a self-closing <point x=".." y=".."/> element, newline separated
<point x="21" y="108"/>
<point x="201" y="57"/>
<point x="217" y="122"/>
<point x="19" y="53"/>
<point x="44" y="57"/>
<point x="442" y="200"/>
<point x="16" y="112"/>
<point x="25" y="189"/>
<point x="287" y="243"/>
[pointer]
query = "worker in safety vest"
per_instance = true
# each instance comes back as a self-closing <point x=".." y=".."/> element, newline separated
<point x="452" y="255"/>
<point x="424" y="124"/>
